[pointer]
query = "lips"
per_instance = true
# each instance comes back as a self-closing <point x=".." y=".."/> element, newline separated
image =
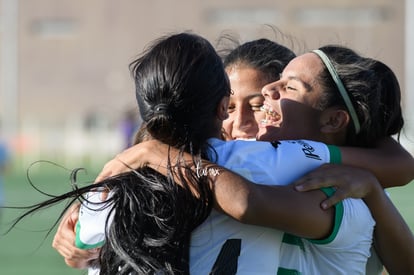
<point x="272" y="117"/>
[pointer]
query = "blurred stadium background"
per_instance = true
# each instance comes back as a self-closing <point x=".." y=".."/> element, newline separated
<point x="66" y="94"/>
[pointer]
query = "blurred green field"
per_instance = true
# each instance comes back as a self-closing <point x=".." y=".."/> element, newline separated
<point x="26" y="249"/>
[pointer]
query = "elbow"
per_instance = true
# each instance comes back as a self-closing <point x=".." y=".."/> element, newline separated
<point x="245" y="213"/>
<point x="407" y="172"/>
<point x="249" y="208"/>
<point x="406" y="180"/>
<point x="410" y="175"/>
<point x="242" y="207"/>
<point x="401" y="177"/>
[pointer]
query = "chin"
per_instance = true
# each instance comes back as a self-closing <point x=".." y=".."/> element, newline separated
<point x="269" y="134"/>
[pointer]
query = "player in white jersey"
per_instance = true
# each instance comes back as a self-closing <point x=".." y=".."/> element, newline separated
<point x="128" y="162"/>
<point x="385" y="79"/>
<point x="254" y="64"/>
<point x="221" y="244"/>
<point x="258" y="247"/>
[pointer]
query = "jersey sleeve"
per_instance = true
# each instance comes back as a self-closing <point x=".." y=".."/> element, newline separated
<point x="274" y="163"/>
<point x="295" y="158"/>
<point x="308" y="150"/>
<point x="353" y="221"/>
<point x="90" y="228"/>
<point x="335" y="156"/>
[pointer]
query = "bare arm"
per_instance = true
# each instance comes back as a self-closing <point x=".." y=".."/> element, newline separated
<point x="297" y="213"/>
<point x="280" y="207"/>
<point x="258" y="204"/>
<point x="64" y="241"/>
<point x="394" y="241"/>
<point x="389" y="162"/>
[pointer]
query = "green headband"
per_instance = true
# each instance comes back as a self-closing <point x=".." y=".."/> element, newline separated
<point x="341" y="88"/>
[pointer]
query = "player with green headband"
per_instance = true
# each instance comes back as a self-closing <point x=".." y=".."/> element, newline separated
<point x="305" y="103"/>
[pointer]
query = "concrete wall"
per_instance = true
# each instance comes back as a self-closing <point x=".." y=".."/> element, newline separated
<point x="70" y="62"/>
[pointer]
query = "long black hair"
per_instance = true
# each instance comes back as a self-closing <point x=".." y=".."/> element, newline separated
<point x="373" y="89"/>
<point x="180" y="81"/>
<point x="263" y="55"/>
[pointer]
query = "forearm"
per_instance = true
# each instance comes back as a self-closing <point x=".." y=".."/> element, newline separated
<point x="64" y="241"/>
<point x="150" y="153"/>
<point x="394" y="241"/>
<point x="389" y="162"/>
<point x="278" y="207"/>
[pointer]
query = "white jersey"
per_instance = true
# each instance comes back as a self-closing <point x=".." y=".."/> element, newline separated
<point x="90" y="228"/>
<point x="224" y="245"/>
<point x="345" y="251"/>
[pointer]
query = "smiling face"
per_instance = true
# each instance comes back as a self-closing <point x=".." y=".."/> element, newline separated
<point x="291" y="102"/>
<point x="245" y="102"/>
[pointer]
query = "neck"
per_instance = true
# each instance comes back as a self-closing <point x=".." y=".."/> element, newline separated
<point x="338" y="139"/>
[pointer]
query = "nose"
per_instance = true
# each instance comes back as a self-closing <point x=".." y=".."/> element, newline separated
<point x="271" y="90"/>
<point x="244" y="124"/>
<point x="242" y="118"/>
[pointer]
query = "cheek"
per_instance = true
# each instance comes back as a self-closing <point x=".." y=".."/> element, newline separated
<point x="228" y="123"/>
<point x="300" y="123"/>
<point x="259" y="116"/>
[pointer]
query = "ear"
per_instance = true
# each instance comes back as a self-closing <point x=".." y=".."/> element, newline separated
<point x="222" y="108"/>
<point x="334" y="120"/>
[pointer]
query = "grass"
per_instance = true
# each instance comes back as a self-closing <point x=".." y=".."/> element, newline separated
<point x="403" y="199"/>
<point x="27" y="250"/>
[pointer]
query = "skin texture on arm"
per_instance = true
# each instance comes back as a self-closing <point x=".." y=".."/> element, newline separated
<point x="291" y="211"/>
<point x="389" y="162"/>
<point x="393" y="239"/>
<point x="64" y="241"/>
<point x="243" y="200"/>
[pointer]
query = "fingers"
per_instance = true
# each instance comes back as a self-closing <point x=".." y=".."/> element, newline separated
<point x="82" y="260"/>
<point x="133" y="158"/>
<point x="349" y="182"/>
<point x="67" y="225"/>
<point x="64" y="241"/>
<point x="309" y="183"/>
<point x="76" y="264"/>
<point x="113" y="167"/>
<point x="103" y="175"/>
<point x="338" y="196"/>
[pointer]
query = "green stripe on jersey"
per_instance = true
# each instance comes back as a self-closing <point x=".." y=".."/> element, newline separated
<point x="334" y="154"/>
<point x="285" y="271"/>
<point x="339" y="214"/>
<point x="82" y="245"/>
<point x="293" y="240"/>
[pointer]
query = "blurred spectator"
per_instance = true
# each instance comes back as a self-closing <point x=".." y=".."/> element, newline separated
<point x="129" y="126"/>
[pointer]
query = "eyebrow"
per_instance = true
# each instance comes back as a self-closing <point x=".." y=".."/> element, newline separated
<point x="307" y="86"/>
<point x="256" y="94"/>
